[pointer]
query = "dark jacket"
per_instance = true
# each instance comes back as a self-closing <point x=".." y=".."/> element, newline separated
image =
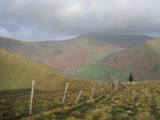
<point x="131" y="77"/>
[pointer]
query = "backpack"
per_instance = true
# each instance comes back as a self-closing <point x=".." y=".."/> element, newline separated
<point x="132" y="77"/>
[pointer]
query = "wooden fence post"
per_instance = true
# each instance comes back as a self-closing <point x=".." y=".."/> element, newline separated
<point x="65" y="92"/>
<point x="92" y="93"/>
<point x="31" y="101"/>
<point x="111" y="84"/>
<point x="78" y="97"/>
<point x="116" y="84"/>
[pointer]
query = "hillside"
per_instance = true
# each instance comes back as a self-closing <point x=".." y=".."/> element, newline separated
<point x="143" y="61"/>
<point x="17" y="73"/>
<point x="140" y="101"/>
<point x="71" y="54"/>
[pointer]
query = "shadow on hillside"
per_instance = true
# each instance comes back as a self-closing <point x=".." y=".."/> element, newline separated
<point x="7" y="110"/>
<point x="16" y="91"/>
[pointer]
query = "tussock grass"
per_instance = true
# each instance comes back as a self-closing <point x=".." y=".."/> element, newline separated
<point x="138" y="101"/>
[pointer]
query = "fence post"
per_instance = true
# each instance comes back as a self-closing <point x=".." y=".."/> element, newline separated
<point x="78" y="97"/>
<point x="116" y="84"/>
<point x="111" y="85"/>
<point x="31" y="101"/>
<point x="65" y="92"/>
<point x="92" y="93"/>
<point x="106" y="83"/>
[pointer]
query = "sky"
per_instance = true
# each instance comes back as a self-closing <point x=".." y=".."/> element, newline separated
<point x="64" y="19"/>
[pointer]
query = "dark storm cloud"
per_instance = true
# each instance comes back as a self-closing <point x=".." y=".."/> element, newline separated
<point x="62" y="19"/>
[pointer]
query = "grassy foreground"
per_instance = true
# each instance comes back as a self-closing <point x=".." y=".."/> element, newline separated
<point x="140" y="101"/>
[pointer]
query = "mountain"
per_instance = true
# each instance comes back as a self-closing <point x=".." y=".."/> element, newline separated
<point x="72" y="54"/>
<point x="142" y="60"/>
<point x="18" y="73"/>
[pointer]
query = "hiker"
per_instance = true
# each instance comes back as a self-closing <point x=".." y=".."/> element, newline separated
<point x="131" y="78"/>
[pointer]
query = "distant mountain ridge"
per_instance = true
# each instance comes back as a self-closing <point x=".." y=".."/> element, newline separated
<point x="71" y="54"/>
<point x="120" y="40"/>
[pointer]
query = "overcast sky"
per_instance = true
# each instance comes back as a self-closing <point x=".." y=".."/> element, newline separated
<point x="64" y="19"/>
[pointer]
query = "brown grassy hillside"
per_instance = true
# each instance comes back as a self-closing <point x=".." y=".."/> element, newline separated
<point x="62" y="55"/>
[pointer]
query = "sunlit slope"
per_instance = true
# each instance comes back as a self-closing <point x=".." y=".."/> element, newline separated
<point x="17" y="73"/>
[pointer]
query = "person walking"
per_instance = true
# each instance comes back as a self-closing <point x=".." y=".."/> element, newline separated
<point x="131" y="78"/>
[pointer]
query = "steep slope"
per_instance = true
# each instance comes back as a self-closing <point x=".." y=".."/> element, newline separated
<point x="17" y="73"/>
<point x="143" y="61"/>
<point x="72" y="54"/>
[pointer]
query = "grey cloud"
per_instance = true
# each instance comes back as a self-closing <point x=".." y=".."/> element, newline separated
<point x="48" y="19"/>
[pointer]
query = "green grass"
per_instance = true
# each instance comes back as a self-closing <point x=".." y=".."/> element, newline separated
<point x="100" y="72"/>
<point x="17" y="73"/>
